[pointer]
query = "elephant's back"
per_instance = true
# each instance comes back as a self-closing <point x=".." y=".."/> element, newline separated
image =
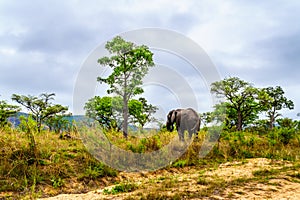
<point x="190" y="115"/>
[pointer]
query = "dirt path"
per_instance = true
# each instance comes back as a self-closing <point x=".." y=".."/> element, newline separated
<point x="251" y="179"/>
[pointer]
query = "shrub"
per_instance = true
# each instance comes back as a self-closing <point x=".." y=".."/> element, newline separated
<point x="120" y="188"/>
<point x="57" y="182"/>
<point x="180" y="163"/>
<point x="285" y="135"/>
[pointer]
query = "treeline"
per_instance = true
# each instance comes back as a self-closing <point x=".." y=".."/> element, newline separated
<point x="242" y="104"/>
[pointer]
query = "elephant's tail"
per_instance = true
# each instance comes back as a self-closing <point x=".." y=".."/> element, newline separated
<point x="196" y="128"/>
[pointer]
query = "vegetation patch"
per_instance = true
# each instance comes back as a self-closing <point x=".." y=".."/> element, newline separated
<point x="121" y="188"/>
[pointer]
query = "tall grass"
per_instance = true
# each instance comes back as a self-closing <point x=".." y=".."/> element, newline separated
<point x="57" y="162"/>
<point x="63" y="164"/>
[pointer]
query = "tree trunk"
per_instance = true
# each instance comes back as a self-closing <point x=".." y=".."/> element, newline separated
<point x="272" y="121"/>
<point x="39" y="124"/>
<point x="125" y="116"/>
<point x="240" y="121"/>
<point x="125" y="103"/>
<point x="272" y="118"/>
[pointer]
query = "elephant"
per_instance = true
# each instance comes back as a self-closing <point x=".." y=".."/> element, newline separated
<point x="186" y="120"/>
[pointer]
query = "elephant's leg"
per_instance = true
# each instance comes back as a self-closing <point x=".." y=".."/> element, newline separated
<point x="190" y="134"/>
<point x="181" y="135"/>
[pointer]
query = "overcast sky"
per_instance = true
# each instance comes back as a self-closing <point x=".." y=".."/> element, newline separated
<point x="43" y="44"/>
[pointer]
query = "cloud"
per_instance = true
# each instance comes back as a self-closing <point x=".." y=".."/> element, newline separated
<point x="43" y="44"/>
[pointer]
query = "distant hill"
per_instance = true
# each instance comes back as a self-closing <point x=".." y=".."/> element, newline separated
<point x="15" y="120"/>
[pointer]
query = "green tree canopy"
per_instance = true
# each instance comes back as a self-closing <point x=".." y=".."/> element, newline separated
<point x="130" y="63"/>
<point x="40" y="107"/>
<point x="108" y="111"/>
<point x="6" y="111"/>
<point x="243" y="101"/>
<point x="206" y="117"/>
<point x="140" y="111"/>
<point x="276" y="102"/>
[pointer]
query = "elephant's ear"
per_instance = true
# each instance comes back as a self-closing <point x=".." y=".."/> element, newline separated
<point x="173" y="116"/>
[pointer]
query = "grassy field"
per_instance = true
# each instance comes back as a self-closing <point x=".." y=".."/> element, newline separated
<point x="65" y="166"/>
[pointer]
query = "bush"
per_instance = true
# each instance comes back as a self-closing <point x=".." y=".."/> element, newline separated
<point x="282" y="135"/>
<point x="180" y="163"/>
<point x="286" y="135"/>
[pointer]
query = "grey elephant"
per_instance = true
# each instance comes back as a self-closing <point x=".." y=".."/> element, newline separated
<point x="186" y="120"/>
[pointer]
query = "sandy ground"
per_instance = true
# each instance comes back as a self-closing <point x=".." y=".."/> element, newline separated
<point x="238" y="178"/>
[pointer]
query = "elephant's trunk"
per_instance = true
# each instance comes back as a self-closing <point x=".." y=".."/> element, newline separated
<point x="170" y="127"/>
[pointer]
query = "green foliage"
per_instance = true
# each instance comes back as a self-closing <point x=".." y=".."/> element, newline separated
<point x="242" y="101"/>
<point x="259" y="126"/>
<point x="140" y="111"/>
<point x="57" y="182"/>
<point x="242" y="144"/>
<point x="28" y="125"/>
<point x="180" y="163"/>
<point x="145" y="144"/>
<point x="130" y="63"/>
<point x="276" y="102"/>
<point x="287" y="123"/>
<point x="105" y="110"/>
<point x="6" y="111"/>
<point x="108" y="111"/>
<point x="206" y="118"/>
<point x="40" y="107"/>
<point x="283" y="135"/>
<point x="121" y="188"/>
<point x="58" y="123"/>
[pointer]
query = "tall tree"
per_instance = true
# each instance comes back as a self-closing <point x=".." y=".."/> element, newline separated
<point x="130" y="63"/>
<point x="276" y="102"/>
<point x="6" y="111"/>
<point x="40" y="107"/>
<point x="242" y="99"/>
